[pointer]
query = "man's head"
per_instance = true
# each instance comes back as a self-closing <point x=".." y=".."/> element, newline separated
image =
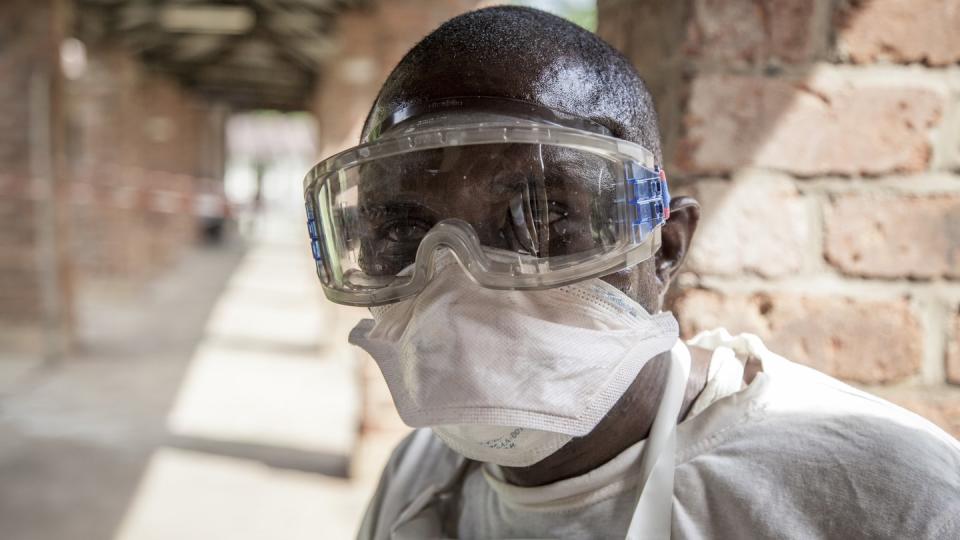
<point x="532" y="56"/>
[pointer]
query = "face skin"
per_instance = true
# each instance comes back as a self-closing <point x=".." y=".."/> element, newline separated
<point x="558" y="77"/>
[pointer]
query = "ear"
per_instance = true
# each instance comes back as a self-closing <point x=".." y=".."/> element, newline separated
<point x="676" y="235"/>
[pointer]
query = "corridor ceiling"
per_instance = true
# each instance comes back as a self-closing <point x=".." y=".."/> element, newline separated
<point x="251" y="54"/>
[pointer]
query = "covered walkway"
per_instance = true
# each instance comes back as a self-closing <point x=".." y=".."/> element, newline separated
<point x="214" y="409"/>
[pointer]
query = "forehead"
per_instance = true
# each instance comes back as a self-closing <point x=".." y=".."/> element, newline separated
<point x="556" y="81"/>
<point x="527" y="55"/>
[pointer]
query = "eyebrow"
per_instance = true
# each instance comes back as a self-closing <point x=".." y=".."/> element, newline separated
<point x="593" y="174"/>
<point x="398" y="206"/>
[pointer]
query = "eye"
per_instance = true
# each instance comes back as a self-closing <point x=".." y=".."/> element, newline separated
<point x="405" y="231"/>
<point x="557" y="213"/>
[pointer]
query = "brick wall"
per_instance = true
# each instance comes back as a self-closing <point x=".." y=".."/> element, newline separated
<point x="96" y="174"/>
<point x="139" y="144"/>
<point x="370" y="42"/>
<point x="34" y="276"/>
<point x="823" y="139"/>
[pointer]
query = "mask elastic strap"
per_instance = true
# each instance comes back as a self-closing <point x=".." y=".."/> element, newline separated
<point x="652" y="517"/>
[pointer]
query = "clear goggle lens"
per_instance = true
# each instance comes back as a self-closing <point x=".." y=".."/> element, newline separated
<point x="516" y="214"/>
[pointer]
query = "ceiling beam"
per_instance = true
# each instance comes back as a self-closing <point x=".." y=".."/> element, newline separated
<point x="239" y="50"/>
<point x="206" y="18"/>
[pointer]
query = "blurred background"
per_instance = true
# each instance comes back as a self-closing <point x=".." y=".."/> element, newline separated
<point x="169" y="367"/>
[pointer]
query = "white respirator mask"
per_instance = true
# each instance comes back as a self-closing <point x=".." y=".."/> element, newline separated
<point x="505" y="376"/>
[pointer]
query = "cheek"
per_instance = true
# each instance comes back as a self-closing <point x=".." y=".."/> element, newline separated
<point x="639" y="283"/>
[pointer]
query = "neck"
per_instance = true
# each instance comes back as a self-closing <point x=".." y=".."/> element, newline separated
<point x="628" y="422"/>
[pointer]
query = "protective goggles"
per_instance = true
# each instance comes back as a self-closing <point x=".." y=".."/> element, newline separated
<point x="524" y="197"/>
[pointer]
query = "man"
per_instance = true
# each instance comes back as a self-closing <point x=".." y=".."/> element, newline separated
<point x="508" y="224"/>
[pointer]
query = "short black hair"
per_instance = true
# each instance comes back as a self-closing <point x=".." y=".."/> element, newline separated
<point x="526" y="54"/>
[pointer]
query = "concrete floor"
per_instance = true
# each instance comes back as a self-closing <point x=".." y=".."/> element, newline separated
<point x="220" y="402"/>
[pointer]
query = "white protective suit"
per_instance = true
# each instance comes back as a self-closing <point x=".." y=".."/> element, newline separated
<point x="792" y="454"/>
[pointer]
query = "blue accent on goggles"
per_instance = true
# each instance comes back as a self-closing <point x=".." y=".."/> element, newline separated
<point x="650" y="199"/>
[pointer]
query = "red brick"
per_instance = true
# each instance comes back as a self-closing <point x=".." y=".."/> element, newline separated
<point x="145" y="140"/>
<point x="866" y="341"/>
<point x="891" y="236"/>
<point x="953" y="349"/>
<point x="19" y="295"/>
<point x="900" y="31"/>
<point x="31" y="35"/>
<point x="818" y="126"/>
<point x="939" y="405"/>
<point x="27" y="34"/>
<point x="730" y="242"/>
<point x="748" y="32"/>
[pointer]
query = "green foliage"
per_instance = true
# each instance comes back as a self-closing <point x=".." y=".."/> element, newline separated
<point x="580" y="12"/>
